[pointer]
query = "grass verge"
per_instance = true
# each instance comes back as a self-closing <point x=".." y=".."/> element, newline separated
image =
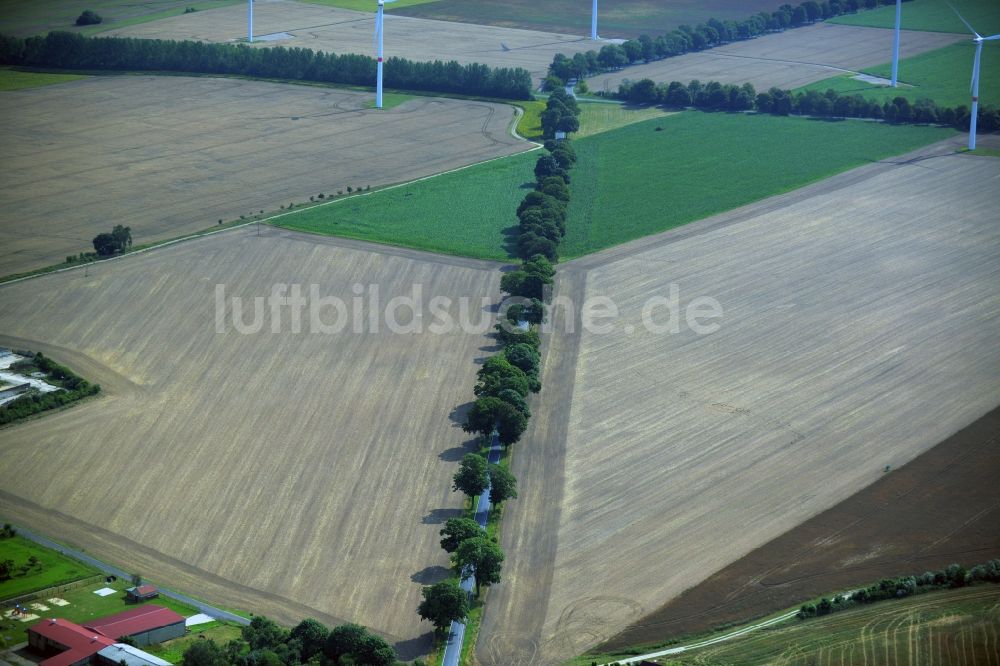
<point x="12" y="79"/>
<point x="941" y="75"/>
<point x="50" y="570"/>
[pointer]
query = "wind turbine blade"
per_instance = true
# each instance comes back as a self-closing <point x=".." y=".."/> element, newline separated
<point x="986" y="39"/>
<point x="962" y="18"/>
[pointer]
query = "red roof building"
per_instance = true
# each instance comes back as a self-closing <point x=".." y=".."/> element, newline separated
<point x="146" y="624"/>
<point x="75" y="644"/>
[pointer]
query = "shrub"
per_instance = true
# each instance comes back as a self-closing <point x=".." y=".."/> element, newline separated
<point x="88" y="17"/>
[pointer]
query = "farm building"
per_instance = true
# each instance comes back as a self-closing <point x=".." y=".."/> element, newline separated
<point x="119" y="653"/>
<point x="141" y="593"/>
<point x="145" y="624"/>
<point x="68" y="643"/>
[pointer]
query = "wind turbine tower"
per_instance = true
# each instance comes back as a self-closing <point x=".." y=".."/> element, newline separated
<point x="378" y="36"/>
<point x="250" y="21"/>
<point x="978" y="39"/>
<point x="593" y="22"/>
<point x="895" y="43"/>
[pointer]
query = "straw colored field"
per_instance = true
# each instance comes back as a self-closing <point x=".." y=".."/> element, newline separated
<point x="857" y="331"/>
<point x="941" y="75"/>
<point x="933" y="15"/>
<point x="617" y="18"/>
<point x="293" y="474"/>
<point x="29" y="17"/>
<point x="950" y="627"/>
<point x="787" y="60"/>
<point x="173" y="155"/>
<point x="343" y="31"/>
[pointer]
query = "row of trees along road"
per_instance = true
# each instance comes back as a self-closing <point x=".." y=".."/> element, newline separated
<point x="686" y="39"/>
<point x="505" y="380"/>
<point x="715" y="96"/>
<point x="73" y="51"/>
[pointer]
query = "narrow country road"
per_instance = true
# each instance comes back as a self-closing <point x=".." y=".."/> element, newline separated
<point x="453" y="649"/>
<point x="217" y="613"/>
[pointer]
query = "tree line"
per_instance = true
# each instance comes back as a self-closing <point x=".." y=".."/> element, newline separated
<point x="686" y="39"/>
<point x="952" y="576"/>
<point x="66" y="50"/>
<point x="73" y="387"/>
<point x="266" y="643"/>
<point x="715" y="96"/>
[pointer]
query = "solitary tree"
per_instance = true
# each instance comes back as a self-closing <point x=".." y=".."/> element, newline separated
<point x="457" y="530"/>
<point x="483" y="558"/>
<point x="503" y="485"/>
<point x="122" y="237"/>
<point x="444" y="603"/>
<point x="471" y="477"/>
<point x="88" y="17"/>
<point x="104" y="244"/>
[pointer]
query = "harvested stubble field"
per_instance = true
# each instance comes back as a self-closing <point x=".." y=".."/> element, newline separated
<point x="617" y="18"/>
<point x="858" y="331"/>
<point x="172" y="155"/>
<point x="344" y="31"/>
<point x="938" y="509"/>
<point x="788" y="59"/>
<point x="289" y="474"/>
<point x="30" y="17"/>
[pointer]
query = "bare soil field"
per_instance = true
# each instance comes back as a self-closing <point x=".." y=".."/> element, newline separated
<point x="786" y="60"/>
<point x="858" y="331"/>
<point x="292" y="474"/>
<point x="173" y="155"/>
<point x="616" y="18"/>
<point x="345" y="31"/>
<point x="24" y="18"/>
<point x="940" y="508"/>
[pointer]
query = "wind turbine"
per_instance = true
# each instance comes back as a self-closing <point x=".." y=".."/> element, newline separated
<point x="978" y="39"/>
<point x="250" y="21"/>
<point x="593" y="22"/>
<point x="895" y="43"/>
<point x="379" y="17"/>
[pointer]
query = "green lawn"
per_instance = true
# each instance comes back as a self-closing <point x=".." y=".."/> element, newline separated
<point x="11" y="79"/>
<point x="83" y="605"/>
<point x="941" y="75"/>
<point x="35" y="17"/>
<point x="931" y="16"/>
<point x="460" y="213"/>
<point x="52" y="569"/>
<point x="628" y="183"/>
<point x="390" y="100"/>
<point x="946" y="627"/>
<point x="173" y="650"/>
<point x="636" y="181"/>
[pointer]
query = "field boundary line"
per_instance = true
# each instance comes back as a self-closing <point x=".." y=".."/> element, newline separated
<point x="705" y="643"/>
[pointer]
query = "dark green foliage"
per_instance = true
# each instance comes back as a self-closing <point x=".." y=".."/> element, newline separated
<point x="523" y="356"/>
<point x="515" y="400"/>
<point x="531" y="280"/>
<point x="74" y="51"/>
<point x="263" y="633"/>
<point x="503" y="485"/>
<point x="443" y="603"/>
<point x="512" y="336"/>
<point x="483" y="558"/>
<point x="8" y="531"/>
<point x="354" y="644"/>
<point x="88" y="17"/>
<point x="491" y="412"/>
<point x="532" y="311"/>
<point x="311" y="636"/>
<point x="457" y="530"/>
<point x="204" y="653"/>
<point x="498" y="374"/>
<point x="471" y="477"/>
<point x="118" y="240"/>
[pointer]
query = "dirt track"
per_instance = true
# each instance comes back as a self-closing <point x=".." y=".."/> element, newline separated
<point x="173" y="155"/>
<point x="940" y="508"/>
<point x="787" y="60"/>
<point x="856" y="311"/>
<point x="344" y="31"/>
<point x="289" y="474"/>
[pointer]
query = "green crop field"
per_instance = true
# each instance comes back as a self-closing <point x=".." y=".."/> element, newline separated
<point x="637" y="181"/>
<point x="617" y="18"/>
<point x="942" y="75"/>
<point x="628" y="183"/>
<point x="51" y="569"/>
<point x="32" y="17"/>
<point x="367" y="5"/>
<point x="931" y="16"/>
<point x="12" y="79"/>
<point x="463" y="212"/>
